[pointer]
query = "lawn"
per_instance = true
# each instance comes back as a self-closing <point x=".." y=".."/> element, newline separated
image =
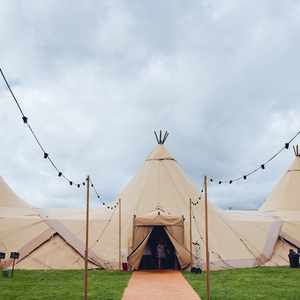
<point x="62" y="285"/>
<point x="242" y="284"/>
<point x="245" y="284"/>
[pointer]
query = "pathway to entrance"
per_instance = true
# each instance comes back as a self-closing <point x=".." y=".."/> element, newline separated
<point x="159" y="285"/>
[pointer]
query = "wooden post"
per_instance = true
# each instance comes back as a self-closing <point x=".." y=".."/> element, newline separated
<point x="120" y="255"/>
<point x="191" y="238"/>
<point x="133" y="233"/>
<point x="206" y="240"/>
<point x="13" y="267"/>
<point x="86" y="252"/>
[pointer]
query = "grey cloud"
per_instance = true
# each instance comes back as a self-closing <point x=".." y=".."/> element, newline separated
<point x="96" y="78"/>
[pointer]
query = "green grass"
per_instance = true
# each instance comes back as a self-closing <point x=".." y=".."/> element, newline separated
<point x="62" y="285"/>
<point x="245" y="284"/>
<point x="240" y="284"/>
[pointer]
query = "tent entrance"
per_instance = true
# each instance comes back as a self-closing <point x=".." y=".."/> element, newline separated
<point x="151" y="229"/>
<point x="159" y="252"/>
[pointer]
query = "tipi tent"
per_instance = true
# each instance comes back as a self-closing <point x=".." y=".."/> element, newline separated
<point x="23" y="230"/>
<point x="284" y="203"/>
<point x="158" y="197"/>
<point x="285" y="195"/>
<point x="161" y="185"/>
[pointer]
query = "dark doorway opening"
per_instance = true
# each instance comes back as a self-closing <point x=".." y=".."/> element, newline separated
<point x="159" y="252"/>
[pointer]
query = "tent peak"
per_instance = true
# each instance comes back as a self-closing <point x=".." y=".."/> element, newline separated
<point x="296" y="150"/>
<point x="160" y="137"/>
<point x="160" y="153"/>
<point x="8" y="197"/>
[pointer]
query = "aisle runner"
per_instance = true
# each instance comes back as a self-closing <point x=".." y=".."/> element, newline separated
<point x="159" y="285"/>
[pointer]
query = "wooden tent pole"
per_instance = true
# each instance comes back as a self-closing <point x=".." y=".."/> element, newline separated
<point x="133" y="233"/>
<point x="86" y="252"/>
<point x="13" y="267"/>
<point x="191" y="238"/>
<point x="119" y="234"/>
<point x="206" y="240"/>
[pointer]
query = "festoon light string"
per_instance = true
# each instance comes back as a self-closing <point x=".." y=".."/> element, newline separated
<point x="46" y="154"/>
<point x="71" y="182"/>
<point x="262" y="166"/>
<point x="247" y="174"/>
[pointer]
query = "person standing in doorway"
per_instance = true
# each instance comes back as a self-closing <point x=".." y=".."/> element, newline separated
<point x="161" y="254"/>
<point x="147" y="258"/>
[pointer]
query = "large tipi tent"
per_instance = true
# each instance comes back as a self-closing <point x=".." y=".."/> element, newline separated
<point x="285" y="195"/>
<point x="41" y="246"/>
<point x="284" y="203"/>
<point x="159" y="195"/>
<point x="161" y="187"/>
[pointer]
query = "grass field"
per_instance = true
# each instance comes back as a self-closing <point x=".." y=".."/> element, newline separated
<point x="62" y="285"/>
<point x="243" y="284"/>
<point x="250" y="284"/>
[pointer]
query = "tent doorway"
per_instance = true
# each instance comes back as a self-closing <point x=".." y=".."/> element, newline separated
<point x="151" y="229"/>
<point x="159" y="252"/>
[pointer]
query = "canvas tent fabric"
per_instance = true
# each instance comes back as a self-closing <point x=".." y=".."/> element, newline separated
<point x="102" y="231"/>
<point x="22" y="229"/>
<point x="283" y="202"/>
<point x="55" y="253"/>
<point x="280" y="254"/>
<point x="235" y="239"/>
<point x="162" y="184"/>
<point x="19" y="223"/>
<point x="257" y="230"/>
<point x="285" y="195"/>
<point x="8" y="197"/>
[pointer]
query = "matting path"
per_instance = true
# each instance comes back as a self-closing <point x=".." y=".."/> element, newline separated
<point x="159" y="285"/>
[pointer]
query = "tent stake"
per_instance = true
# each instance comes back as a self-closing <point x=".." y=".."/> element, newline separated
<point x="206" y="240"/>
<point x="85" y="297"/>
<point x="191" y="240"/>
<point x="120" y="262"/>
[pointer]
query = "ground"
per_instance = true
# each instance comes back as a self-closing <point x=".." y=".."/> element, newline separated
<point x="62" y="285"/>
<point x="243" y="284"/>
<point x="250" y="284"/>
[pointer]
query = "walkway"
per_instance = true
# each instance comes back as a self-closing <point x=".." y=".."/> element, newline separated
<point x="159" y="285"/>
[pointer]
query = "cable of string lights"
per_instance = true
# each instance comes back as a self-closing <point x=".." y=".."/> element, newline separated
<point x="46" y="155"/>
<point x="71" y="182"/>
<point x="262" y="166"/>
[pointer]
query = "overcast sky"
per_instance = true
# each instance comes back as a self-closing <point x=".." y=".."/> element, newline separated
<point x="96" y="78"/>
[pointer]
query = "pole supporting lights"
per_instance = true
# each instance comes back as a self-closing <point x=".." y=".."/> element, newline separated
<point x="14" y="256"/>
<point x="86" y="252"/>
